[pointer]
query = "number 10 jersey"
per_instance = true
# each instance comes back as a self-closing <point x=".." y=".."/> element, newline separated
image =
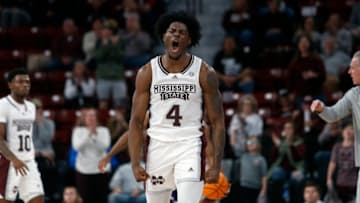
<point x="176" y="102"/>
<point x="19" y="120"/>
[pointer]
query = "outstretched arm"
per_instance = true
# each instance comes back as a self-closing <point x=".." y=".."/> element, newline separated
<point x="140" y="105"/>
<point x="119" y="146"/>
<point x="215" y="113"/>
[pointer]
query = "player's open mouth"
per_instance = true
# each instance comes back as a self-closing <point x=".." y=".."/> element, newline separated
<point x="175" y="46"/>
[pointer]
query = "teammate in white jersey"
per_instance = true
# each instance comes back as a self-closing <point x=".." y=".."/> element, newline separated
<point x="18" y="170"/>
<point x="176" y="88"/>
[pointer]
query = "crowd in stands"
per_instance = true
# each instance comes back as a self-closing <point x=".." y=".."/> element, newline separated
<point x="277" y="56"/>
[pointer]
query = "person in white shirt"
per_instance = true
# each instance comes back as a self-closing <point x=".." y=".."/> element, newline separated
<point x="91" y="142"/>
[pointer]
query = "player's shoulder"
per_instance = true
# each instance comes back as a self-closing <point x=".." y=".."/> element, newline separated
<point x="206" y="68"/>
<point x="144" y="73"/>
<point x="207" y="73"/>
<point x="4" y="101"/>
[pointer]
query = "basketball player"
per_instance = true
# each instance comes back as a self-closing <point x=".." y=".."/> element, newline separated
<point x="18" y="170"/>
<point x="176" y="88"/>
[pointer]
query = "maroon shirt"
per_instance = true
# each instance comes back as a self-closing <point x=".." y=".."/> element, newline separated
<point x="345" y="164"/>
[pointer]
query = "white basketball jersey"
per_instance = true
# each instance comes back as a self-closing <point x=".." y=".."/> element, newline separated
<point x="19" y="119"/>
<point x="176" y="103"/>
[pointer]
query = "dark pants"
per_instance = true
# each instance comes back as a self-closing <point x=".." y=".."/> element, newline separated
<point x="92" y="188"/>
<point x="241" y="194"/>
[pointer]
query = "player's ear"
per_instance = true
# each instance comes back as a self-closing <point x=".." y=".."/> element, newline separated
<point x="163" y="37"/>
<point x="9" y="84"/>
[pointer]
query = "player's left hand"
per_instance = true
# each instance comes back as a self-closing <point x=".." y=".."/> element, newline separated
<point x="212" y="175"/>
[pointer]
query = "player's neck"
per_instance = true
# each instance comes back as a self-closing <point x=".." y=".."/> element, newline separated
<point x="18" y="99"/>
<point x="175" y="66"/>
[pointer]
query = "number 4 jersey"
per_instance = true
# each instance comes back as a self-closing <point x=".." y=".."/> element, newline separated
<point x="19" y="119"/>
<point x="176" y="103"/>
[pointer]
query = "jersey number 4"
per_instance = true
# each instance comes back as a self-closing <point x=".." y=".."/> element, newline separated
<point x="174" y="113"/>
<point x="24" y="143"/>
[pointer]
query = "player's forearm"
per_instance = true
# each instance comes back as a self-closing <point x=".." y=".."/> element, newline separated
<point x="218" y="143"/>
<point x="5" y="151"/>
<point x="120" y="145"/>
<point x="135" y="146"/>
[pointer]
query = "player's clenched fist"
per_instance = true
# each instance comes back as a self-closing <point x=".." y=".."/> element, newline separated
<point x="317" y="106"/>
<point x="140" y="173"/>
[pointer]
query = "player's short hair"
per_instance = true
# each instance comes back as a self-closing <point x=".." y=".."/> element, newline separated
<point x="190" y="21"/>
<point x="13" y="73"/>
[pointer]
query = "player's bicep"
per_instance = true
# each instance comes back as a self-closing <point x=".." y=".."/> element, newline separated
<point x="212" y="96"/>
<point x="140" y="101"/>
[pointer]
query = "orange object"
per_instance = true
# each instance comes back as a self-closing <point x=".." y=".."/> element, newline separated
<point x="217" y="191"/>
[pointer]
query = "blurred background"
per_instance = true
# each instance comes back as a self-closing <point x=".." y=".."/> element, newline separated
<point x="273" y="57"/>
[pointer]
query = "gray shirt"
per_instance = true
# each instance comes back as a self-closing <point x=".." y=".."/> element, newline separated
<point x="125" y="180"/>
<point x="253" y="168"/>
<point x="348" y="104"/>
<point x="43" y="134"/>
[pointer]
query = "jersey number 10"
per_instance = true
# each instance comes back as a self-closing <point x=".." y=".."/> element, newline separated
<point x="24" y="143"/>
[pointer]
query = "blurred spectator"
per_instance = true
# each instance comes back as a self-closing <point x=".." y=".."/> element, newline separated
<point x="306" y="72"/>
<point x="286" y="105"/>
<point x="150" y="11"/>
<point x="79" y="89"/>
<point x="44" y="13"/>
<point x="232" y="68"/>
<point x="121" y="9"/>
<point x="95" y="9"/>
<point x="343" y="161"/>
<point x="246" y="122"/>
<point x="124" y="187"/>
<point x="71" y="195"/>
<point x="67" y="47"/>
<point x="117" y="124"/>
<point x="334" y="27"/>
<point x="137" y="42"/>
<point x="328" y="137"/>
<point x="110" y="79"/>
<point x="90" y="39"/>
<point x="312" y="193"/>
<point x="336" y="62"/>
<point x="43" y="134"/>
<point x="310" y="126"/>
<point x="308" y="28"/>
<point x="91" y="143"/>
<point x="252" y="170"/>
<point x="355" y="24"/>
<point x="13" y="16"/>
<point x="287" y="170"/>
<point x="274" y="24"/>
<point x="238" y="22"/>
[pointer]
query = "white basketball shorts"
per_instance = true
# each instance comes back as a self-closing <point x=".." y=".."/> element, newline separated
<point x="28" y="186"/>
<point x="170" y="163"/>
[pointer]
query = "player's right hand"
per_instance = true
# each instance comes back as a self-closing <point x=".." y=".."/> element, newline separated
<point x="20" y="167"/>
<point x="212" y="175"/>
<point x="317" y="106"/>
<point x="103" y="162"/>
<point x="140" y="173"/>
